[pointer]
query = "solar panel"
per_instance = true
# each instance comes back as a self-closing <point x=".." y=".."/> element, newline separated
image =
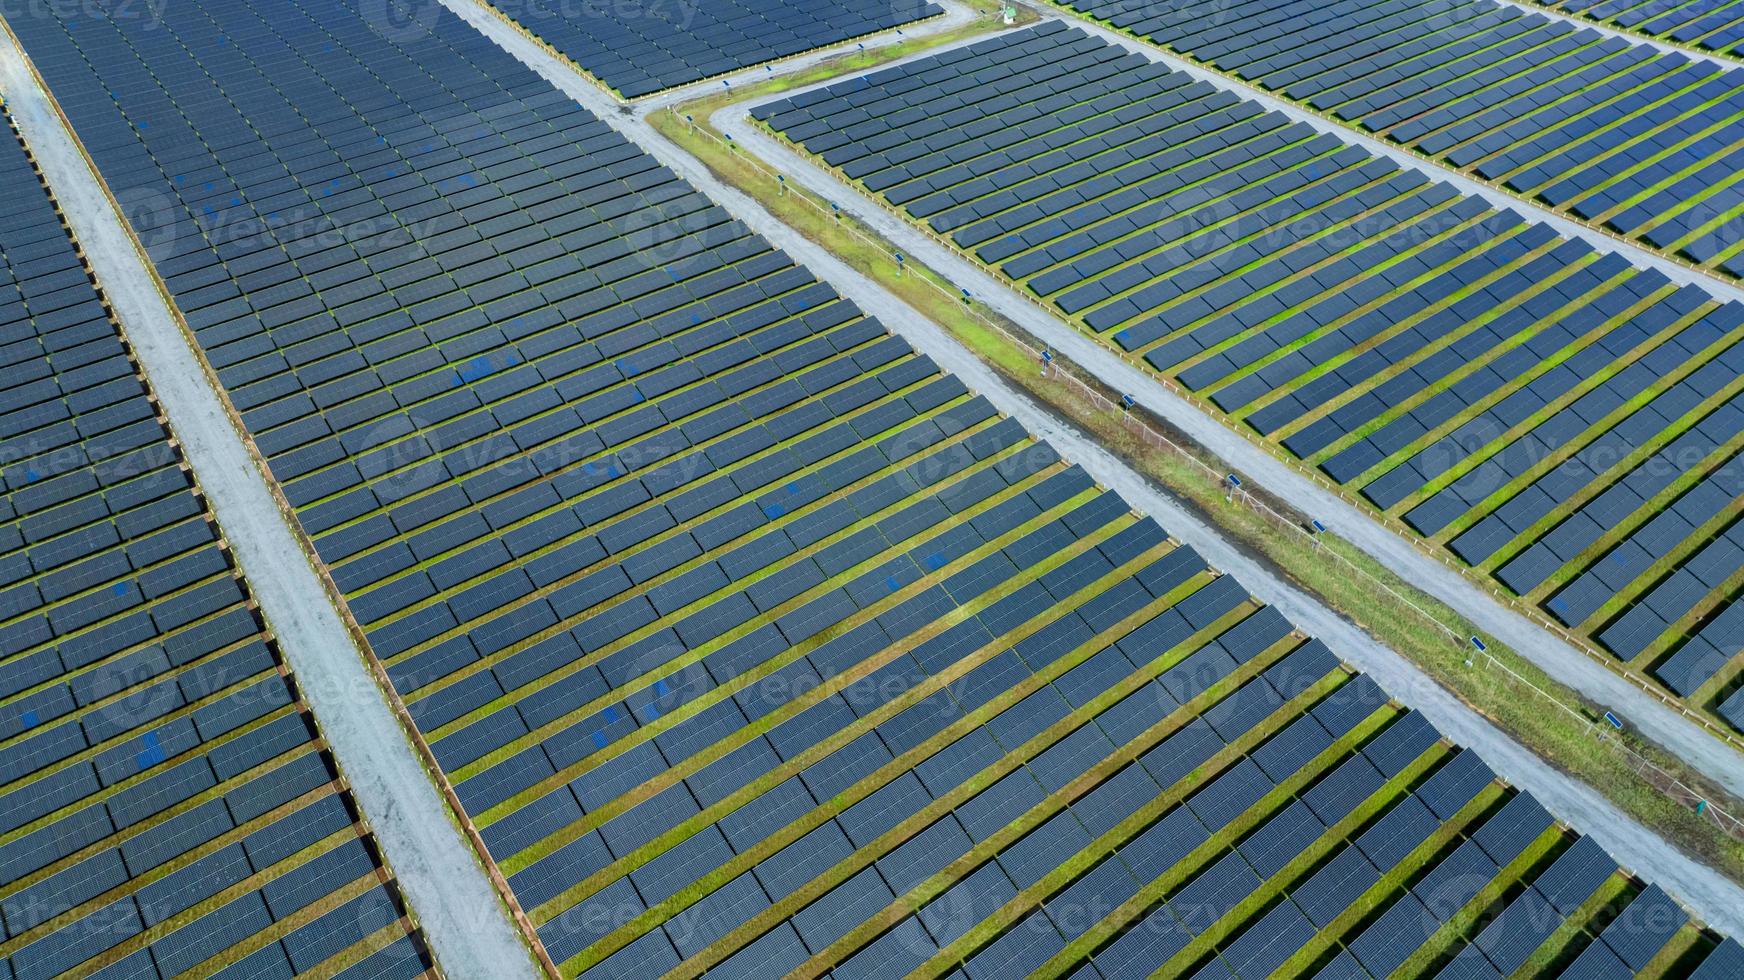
<point x="1210" y="896"/>
<point x="1281" y="839"/>
<point x="1340" y="792"/>
<point x="1083" y="903"/>
<point x="1576" y="874"/>
<point x="1335" y="886"/>
<point x="1454" y="785"/>
<point x="1520" y="928"/>
<point x="1032" y="857"/>
<point x="1399" y="832"/>
<point x="1241" y="711"/>
<point x="1401" y="743"/>
<point x="1470" y="964"/>
<point x="1520" y="821"/>
<point x="1729" y="955"/>
<point x="1019" y="951"/>
<point x="1270" y="942"/>
<point x="1391" y="939"/>
<point x="1292" y="748"/>
<point x="1642" y="929"/>
<point x="1232" y="793"/>
<point x="1344" y="966"/>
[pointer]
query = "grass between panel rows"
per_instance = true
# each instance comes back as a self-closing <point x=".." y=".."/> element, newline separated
<point x="1419" y="628"/>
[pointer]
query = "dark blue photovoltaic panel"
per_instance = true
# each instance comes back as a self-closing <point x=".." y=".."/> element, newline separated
<point x="1331" y="890"/>
<point x="1642" y="929"/>
<point x="1576" y="874"/>
<point x="1520" y="928"/>
<point x="1391" y="939"/>
<point x="1726" y="960"/>
<point x="1455" y="881"/>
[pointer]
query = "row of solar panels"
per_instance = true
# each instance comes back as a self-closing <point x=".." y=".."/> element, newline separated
<point x="1713" y="25"/>
<point x="1152" y="851"/>
<point x="738" y="605"/>
<point x="164" y="801"/>
<point x="638" y="49"/>
<point x="1446" y="847"/>
<point x="1553" y="416"/>
<point x="865" y="749"/>
<point x="1611" y="131"/>
<point x="720" y="669"/>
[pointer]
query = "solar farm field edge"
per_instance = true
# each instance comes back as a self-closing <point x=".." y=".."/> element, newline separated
<point x="1394" y="524"/>
<point x="940" y="21"/>
<point x="432" y="770"/>
<point x="1285" y="549"/>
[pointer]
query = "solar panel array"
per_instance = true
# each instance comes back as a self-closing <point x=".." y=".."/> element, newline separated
<point x="1711" y="25"/>
<point x="1624" y="135"/>
<point x="165" y="801"/>
<point x="1559" y="419"/>
<point x="638" y="48"/>
<point x="741" y="629"/>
